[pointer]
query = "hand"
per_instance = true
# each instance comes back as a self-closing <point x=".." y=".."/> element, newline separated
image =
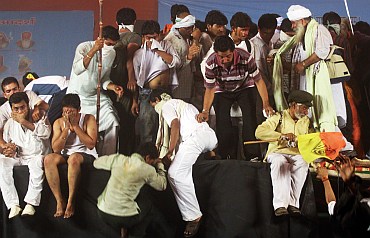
<point x="202" y="117"/>
<point x="131" y="85"/>
<point x="166" y="160"/>
<point x="73" y="120"/>
<point x="270" y="59"/>
<point x="116" y="89"/>
<point x="193" y="51"/>
<point x="299" y="68"/>
<point x="288" y="137"/>
<point x="19" y="117"/>
<point x="269" y="110"/>
<point x="345" y="167"/>
<point x="66" y="120"/>
<point x="135" y="108"/>
<point x="10" y="150"/>
<point x="322" y="172"/>
<point x="98" y="44"/>
<point x="37" y="114"/>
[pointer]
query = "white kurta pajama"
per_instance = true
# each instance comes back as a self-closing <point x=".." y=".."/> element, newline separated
<point x="84" y="82"/>
<point x="196" y="138"/>
<point x="32" y="147"/>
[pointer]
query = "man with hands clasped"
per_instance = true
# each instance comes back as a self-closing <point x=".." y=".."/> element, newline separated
<point x="26" y="143"/>
<point x="73" y="143"/>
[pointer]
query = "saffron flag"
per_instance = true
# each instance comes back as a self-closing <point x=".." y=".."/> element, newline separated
<point x="320" y="145"/>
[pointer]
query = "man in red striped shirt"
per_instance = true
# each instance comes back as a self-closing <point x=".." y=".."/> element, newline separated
<point x="231" y="75"/>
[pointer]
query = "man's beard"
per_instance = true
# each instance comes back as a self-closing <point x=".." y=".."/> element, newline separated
<point x="300" y="32"/>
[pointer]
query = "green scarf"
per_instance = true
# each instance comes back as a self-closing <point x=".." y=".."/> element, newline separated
<point x="317" y="83"/>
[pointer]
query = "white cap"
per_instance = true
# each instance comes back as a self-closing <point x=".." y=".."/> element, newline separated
<point x="298" y="12"/>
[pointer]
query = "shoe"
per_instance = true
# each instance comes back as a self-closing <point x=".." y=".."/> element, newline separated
<point x="294" y="211"/>
<point x="281" y="211"/>
<point x="14" y="211"/>
<point x="29" y="210"/>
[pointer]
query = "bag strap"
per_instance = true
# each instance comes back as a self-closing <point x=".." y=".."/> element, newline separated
<point x="332" y="50"/>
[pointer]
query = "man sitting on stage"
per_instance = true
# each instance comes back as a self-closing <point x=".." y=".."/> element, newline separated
<point x="288" y="169"/>
<point x="73" y="143"/>
<point x="26" y="144"/>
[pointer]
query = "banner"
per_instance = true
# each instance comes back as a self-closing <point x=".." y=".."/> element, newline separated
<point x="42" y="42"/>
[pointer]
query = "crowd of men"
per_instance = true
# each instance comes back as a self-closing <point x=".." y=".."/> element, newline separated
<point x="170" y="95"/>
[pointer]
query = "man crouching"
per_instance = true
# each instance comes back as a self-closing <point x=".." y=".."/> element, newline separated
<point x="27" y="143"/>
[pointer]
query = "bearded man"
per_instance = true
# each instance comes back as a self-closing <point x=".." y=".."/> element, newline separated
<point x="311" y="46"/>
<point x="288" y="169"/>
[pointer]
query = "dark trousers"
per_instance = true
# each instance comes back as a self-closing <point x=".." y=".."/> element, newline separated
<point x="246" y="99"/>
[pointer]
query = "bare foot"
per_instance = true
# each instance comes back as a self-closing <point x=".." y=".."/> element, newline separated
<point x="70" y="210"/>
<point x="60" y="209"/>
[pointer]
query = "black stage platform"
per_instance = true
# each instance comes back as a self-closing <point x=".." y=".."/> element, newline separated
<point x="235" y="197"/>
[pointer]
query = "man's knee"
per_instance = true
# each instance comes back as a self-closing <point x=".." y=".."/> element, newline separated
<point x="52" y="160"/>
<point x="75" y="160"/>
<point x="277" y="160"/>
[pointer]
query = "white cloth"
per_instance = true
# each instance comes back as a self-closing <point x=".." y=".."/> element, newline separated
<point x="46" y="86"/>
<point x="6" y="111"/>
<point x="340" y="104"/>
<point x="187" y="21"/>
<point x="32" y="146"/>
<point x="298" y="12"/>
<point x="123" y="26"/>
<point x="288" y="175"/>
<point x="74" y="144"/>
<point x="84" y="81"/>
<point x="148" y="64"/>
<point x="185" y="70"/>
<point x="196" y="138"/>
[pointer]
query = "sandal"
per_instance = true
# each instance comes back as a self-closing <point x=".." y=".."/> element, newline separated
<point x="192" y="228"/>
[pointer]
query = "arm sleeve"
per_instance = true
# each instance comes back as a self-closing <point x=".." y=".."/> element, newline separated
<point x="106" y="162"/>
<point x="267" y="130"/>
<point x="34" y="99"/>
<point x="169" y="113"/>
<point x="170" y="50"/>
<point x="157" y="179"/>
<point x="331" y="206"/>
<point x="78" y="64"/>
<point x="323" y="42"/>
<point x="42" y="129"/>
<point x="107" y="67"/>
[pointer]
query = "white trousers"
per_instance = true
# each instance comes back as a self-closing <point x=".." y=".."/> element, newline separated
<point x="10" y="195"/>
<point x="288" y="175"/>
<point x="180" y="173"/>
<point x="110" y="140"/>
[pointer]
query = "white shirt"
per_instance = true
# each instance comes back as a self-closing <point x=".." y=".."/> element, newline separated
<point x="188" y="122"/>
<point x="6" y="111"/>
<point x="46" y="86"/>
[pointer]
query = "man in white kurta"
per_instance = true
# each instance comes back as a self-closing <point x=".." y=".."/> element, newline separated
<point x="84" y="79"/>
<point x="26" y="144"/>
<point x="193" y="138"/>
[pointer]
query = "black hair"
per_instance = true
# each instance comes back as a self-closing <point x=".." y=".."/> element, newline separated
<point x="331" y="18"/>
<point x="202" y="26"/>
<point x="362" y="27"/>
<point x="148" y="148"/>
<point x="267" y="21"/>
<point x="126" y="16"/>
<point x="71" y="100"/>
<point x="110" y="32"/>
<point x="215" y="17"/>
<point x="352" y="215"/>
<point x="3" y="100"/>
<point x="286" y="25"/>
<point x="7" y="81"/>
<point x="223" y="43"/>
<point x="253" y="30"/>
<point x="150" y="27"/>
<point x="18" y="97"/>
<point x="26" y="81"/>
<point x="156" y="94"/>
<point x="240" y="19"/>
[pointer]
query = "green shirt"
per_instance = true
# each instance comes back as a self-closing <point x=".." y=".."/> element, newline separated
<point x="128" y="176"/>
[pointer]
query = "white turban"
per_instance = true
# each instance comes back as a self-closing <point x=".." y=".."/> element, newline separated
<point x="187" y="21"/>
<point x="298" y="12"/>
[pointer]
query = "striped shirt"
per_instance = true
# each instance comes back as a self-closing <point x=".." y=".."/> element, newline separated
<point x="242" y="73"/>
